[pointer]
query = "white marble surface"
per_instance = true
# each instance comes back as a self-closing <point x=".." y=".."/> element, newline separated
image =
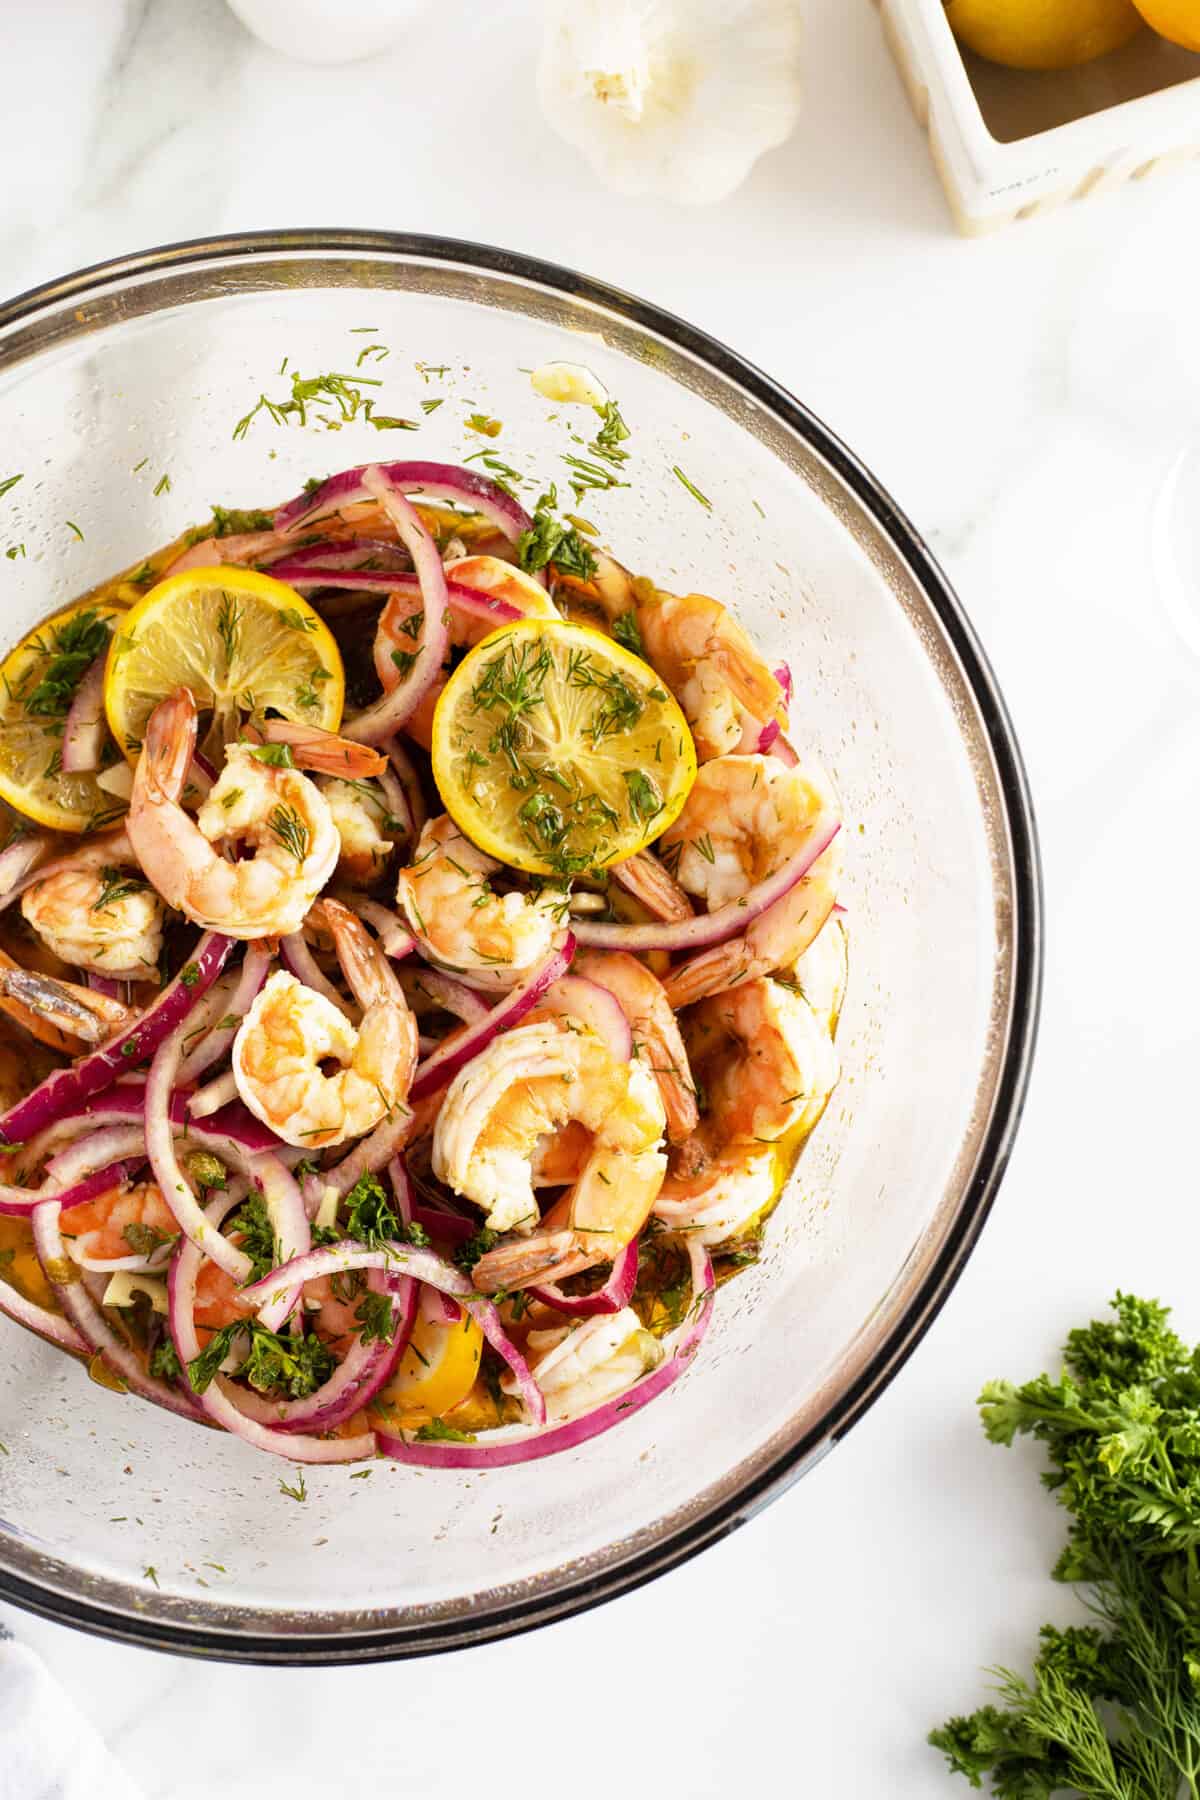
<point x="1023" y="398"/>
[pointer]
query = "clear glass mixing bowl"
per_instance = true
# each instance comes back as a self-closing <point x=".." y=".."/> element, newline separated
<point x="114" y="377"/>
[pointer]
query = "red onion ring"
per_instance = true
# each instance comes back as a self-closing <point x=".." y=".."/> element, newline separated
<point x="708" y="929"/>
<point x="616" y="1292"/>
<point x="440" y="481"/>
<point x="298" y="960"/>
<point x="108" y="1145"/>
<point x="399" y="1259"/>
<point x="783" y="676"/>
<point x="218" y="1401"/>
<point x="233" y="1127"/>
<point x="784" y="753"/>
<point x="462" y="1045"/>
<point x="397" y="705"/>
<point x="215" y="1043"/>
<point x="65" y="1088"/>
<point x="573" y="996"/>
<point x="339" y="555"/>
<point x="90" y="1321"/>
<point x="221" y="1091"/>
<point x="18" y="860"/>
<point x="54" y="1327"/>
<point x="396" y="939"/>
<point x="517" y="1444"/>
<point x="22" y="1203"/>
<point x="371" y="1153"/>
<point x="767" y="736"/>
<point x="85" y="725"/>
<point x="465" y="602"/>
<point x="410" y="781"/>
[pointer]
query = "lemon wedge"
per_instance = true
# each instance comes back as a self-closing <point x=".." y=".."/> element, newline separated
<point x="241" y="641"/>
<point x="558" y="751"/>
<point x="37" y="681"/>
<point x="438" y="1367"/>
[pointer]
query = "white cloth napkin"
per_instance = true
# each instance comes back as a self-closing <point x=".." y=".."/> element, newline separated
<point x="48" y="1750"/>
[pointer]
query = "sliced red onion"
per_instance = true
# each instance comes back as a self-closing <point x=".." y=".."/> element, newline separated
<point x="341" y="554"/>
<point x="517" y="1444"/>
<point x="221" y="1091"/>
<point x="371" y="1153"/>
<point x="402" y="1189"/>
<point x="89" y="1318"/>
<point x="464" y="602"/>
<point x="66" y="1088"/>
<point x="79" y="1253"/>
<point x="451" y="996"/>
<point x="299" y="961"/>
<point x="395" y="938"/>
<point x="84" y="725"/>
<point x="397" y="704"/>
<point x="18" y="861"/>
<point x="572" y="996"/>
<point x="106" y="984"/>
<point x="783" y="752"/>
<point x="767" y="736"/>
<point x="108" y="1145"/>
<point x="462" y="1045"/>
<point x="220" y="1400"/>
<point x="783" y="676"/>
<point x="216" y="1042"/>
<point x="358" y="1377"/>
<point x="420" y="1265"/>
<point x="174" y="1185"/>
<point x="707" y="929"/>
<point x="22" y="1202"/>
<point x="616" y="1292"/>
<point x="233" y="1128"/>
<point x="54" y="1327"/>
<point x="439" y="481"/>
<point x="451" y="1226"/>
<point x="410" y="781"/>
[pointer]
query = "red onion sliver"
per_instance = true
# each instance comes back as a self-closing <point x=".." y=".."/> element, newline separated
<point x="575" y="997"/>
<point x="400" y="1259"/>
<point x="18" y="861"/>
<point x="783" y="676"/>
<point x="66" y="1088"/>
<point x="452" y="996"/>
<point x="462" y="1045"/>
<point x="394" y="707"/>
<point x="219" y="1092"/>
<point x="438" y="481"/>
<point x="85" y="725"/>
<point x="233" y="1129"/>
<point x="410" y="781"/>
<point x="783" y="752"/>
<point x="707" y="929"/>
<point x="371" y="1153"/>
<point x="517" y="1444"/>
<point x="299" y="961"/>
<point x="215" y="1043"/>
<point x="767" y="736"/>
<point x="397" y="941"/>
<point x="219" y="1401"/>
<point x="107" y="1145"/>
<point x="616" y="1292"/>
<point x="22" y="1203"/>
<point x="89" y="1318"/>
<point x="54" y="1327"/>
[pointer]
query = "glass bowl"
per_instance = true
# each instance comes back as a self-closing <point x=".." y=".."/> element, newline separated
<point x="126" y="1521"/>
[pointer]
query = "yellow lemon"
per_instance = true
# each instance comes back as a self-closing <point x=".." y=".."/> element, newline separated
<point x="1045" y="34"/>
<point x="37" y="683"/>
<point x="557" y="751"/>
<point x="1178" y="20"/>
<point x="436" y="1371"/>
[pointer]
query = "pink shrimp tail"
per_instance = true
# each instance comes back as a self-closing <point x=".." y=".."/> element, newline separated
<point x="170" y="744"/>
<point x="709" y="973"/>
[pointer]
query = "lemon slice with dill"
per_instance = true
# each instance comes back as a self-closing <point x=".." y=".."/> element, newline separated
<point x="557" y="751"/>
<point x="244" y="644"/>
<point x="37" y="684"/>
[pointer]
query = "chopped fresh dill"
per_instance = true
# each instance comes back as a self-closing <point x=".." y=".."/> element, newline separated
<point x="162" y="485"/>
<point x="285" y="824"/>
<point x="691" y="487"/>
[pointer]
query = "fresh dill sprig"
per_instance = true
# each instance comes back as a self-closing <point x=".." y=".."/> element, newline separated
<point x="285" y="824"/>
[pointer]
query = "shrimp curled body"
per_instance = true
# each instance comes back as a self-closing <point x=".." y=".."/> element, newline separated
<point x="525" y="1086"/>
<point x="277" y="812"/>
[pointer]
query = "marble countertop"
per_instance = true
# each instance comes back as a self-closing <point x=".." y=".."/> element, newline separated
<point x="1024" y="397"/>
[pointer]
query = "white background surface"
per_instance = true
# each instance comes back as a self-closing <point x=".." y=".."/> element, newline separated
<point x="1022" y="396"/>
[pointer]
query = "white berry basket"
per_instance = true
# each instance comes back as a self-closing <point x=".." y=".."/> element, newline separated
<point x="1010" y="144"/>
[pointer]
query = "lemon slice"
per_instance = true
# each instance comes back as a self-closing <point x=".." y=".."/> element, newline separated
<point x="558" y="751"/>
<point x="438" y="1367"/>
<point x="242" y="642"/>
<point x="37" y="681"/>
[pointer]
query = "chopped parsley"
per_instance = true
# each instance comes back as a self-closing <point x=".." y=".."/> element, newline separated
<point x="165" y="1363"/>
<point x="436" y="1431"/>
<point x="276" y="756"/>
<point x="468" y="1254"/>
<point x="234" y="521"/>
<point x="376" y="1318"/>
<point x="551" y="541"/>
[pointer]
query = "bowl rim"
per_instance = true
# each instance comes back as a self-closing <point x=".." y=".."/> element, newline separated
<point x="1015" y="1065"/>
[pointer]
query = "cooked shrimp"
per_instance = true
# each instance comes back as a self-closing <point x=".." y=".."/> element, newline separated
<point x="526" y="1084"/>
<point x="716" y="1197"/>
<point x="99" y="915"/>
<point x="644" y="876"/>
<point x="581" y="1366"/>
<point x="291" y="1030"/>
<point x="461" y="922"/>
<point x="123" y="1223"/>
<point x="809" y="807"/>
<point x="365" y="828"/>
<point x="81" y="1012"/>
<point x="763" y="1060"/>
<point x="656" y="1039"/>
<point x="278" y="812"/>
<point x="324" y="752"/>
<point x="822" y="972"/>
<point x="711" y="666"/>
<point x="400" y="623"/>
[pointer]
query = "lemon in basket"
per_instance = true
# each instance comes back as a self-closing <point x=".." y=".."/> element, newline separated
<point x="241" y="641"/>
<point x="558" y="751"/>
<point x="1043" y="34"/>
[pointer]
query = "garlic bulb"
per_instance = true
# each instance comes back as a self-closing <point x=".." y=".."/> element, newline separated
<point x="677" y="98"/>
